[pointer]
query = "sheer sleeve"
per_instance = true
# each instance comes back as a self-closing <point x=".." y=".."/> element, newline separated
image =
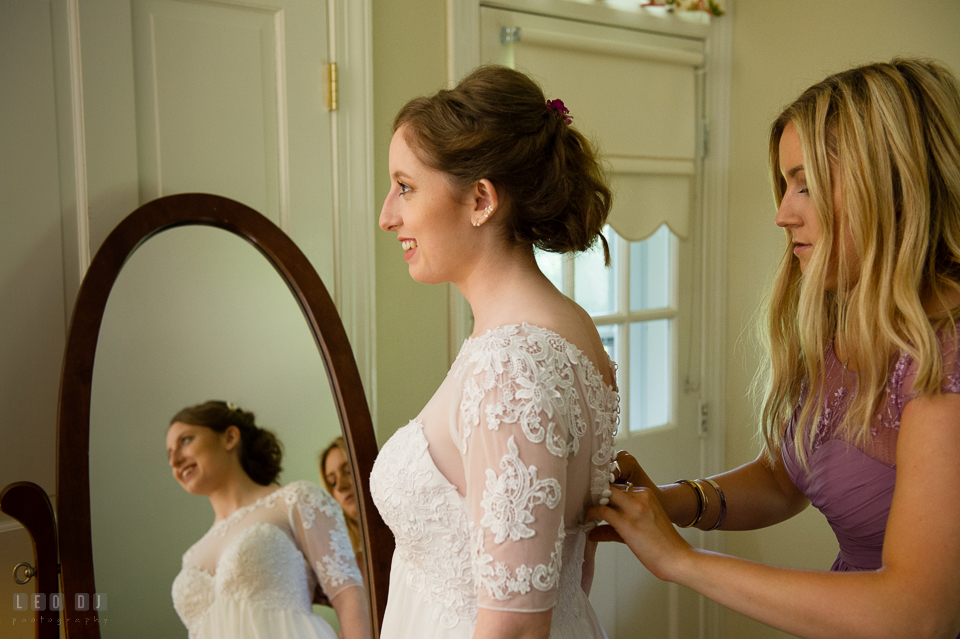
<point x="321" y="534"/>
<point x="951" y="360"/>
<point x="905" y="370"/>
<point x="518" y="422"/>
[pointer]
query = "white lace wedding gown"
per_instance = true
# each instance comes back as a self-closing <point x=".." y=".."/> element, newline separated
<point x="534" y="424"/>
<point x="252" y="575"/>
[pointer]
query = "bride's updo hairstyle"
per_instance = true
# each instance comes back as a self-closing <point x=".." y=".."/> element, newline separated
<point x="496" y="124"/>
<point x="260" y="450"/>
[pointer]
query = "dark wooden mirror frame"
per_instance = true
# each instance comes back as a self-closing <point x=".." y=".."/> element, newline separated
<point x="73" y="420"/>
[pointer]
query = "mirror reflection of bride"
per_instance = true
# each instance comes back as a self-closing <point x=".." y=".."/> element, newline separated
<point x="270" y="548"/>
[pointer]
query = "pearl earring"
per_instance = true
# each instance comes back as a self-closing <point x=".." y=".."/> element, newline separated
<point x="486" y="213"/>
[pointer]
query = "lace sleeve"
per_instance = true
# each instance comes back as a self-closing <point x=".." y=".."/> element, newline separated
<point x="322" y="536"/>
<point x="514" y="427"/>
<point x="905" y="370"/>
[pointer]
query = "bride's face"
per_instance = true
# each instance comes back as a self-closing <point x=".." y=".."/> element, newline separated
<point x="199" y="456"/>
<point x="431" y="222"/>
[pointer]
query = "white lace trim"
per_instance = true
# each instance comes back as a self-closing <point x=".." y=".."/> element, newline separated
<point x="533" y="374"/>
<point x="340" y="566"/>
<point x="425" y="516"/>
<point x="262" y="563"/>
<point x="509" y="499"/>
<point x="309" y="499"/>
<point x="501" y="584"/>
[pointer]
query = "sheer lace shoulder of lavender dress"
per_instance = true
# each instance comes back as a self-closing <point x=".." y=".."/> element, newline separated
<point x="252" y="575"/>
<point x="531" y="423"/>
<point x="853" y="487"/>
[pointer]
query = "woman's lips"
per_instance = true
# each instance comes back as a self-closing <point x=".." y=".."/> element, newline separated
<point x="409" y="248"/>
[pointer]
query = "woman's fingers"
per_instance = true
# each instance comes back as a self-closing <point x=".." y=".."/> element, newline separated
<point x="631" y="471"/>
<point x="605" y="533"/>
<point x="637" y="519"/>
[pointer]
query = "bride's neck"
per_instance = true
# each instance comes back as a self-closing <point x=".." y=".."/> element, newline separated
<point x="235" y="493"/>
<point x="501" y="286"/>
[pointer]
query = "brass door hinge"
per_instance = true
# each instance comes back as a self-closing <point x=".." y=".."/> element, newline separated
<point x="332" y="86"/>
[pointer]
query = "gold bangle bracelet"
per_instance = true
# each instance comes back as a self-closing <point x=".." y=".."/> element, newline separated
<point x="723" y="504"/>
<point x="701" y="501"/>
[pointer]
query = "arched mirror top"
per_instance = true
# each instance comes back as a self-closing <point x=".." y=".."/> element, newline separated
<point x="73" y="434"/>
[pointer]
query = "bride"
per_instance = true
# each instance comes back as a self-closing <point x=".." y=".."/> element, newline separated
<point x="486" y="489"/>
<point x="254" y="572"/>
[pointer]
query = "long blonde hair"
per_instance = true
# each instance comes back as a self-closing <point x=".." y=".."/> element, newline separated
<point x="890" y="134"/>
<point x="353" y="526"/>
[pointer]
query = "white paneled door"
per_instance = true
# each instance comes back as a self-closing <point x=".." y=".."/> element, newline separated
<point x="637" y="95"/>
<point x="224" y="97"/>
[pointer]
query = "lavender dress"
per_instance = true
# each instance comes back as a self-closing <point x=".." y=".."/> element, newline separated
<point x="853" y="487"/>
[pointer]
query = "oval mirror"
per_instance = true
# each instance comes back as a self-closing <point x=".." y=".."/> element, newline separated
<point x="194" y="314"/>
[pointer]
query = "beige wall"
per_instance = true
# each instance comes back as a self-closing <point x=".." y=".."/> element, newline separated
<point x="409" y="59"/>
<point x="32" y="315"/>
<point x="780" y="48"/>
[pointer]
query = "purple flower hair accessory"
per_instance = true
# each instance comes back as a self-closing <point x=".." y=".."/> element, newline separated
<point x="557" y="107"/>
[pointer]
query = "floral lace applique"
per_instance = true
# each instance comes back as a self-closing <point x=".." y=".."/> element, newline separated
<point x="501" y="584"/>
<point x="262" y="565"/>
<point x="340" y="565"/>
<point x="425" y="515"/>
<point x="309" y="499"/>
<point x="193" y="593"/>
<point x="532" y="374"/>
<point x="509" y="498"/>
<point x="459" y="552"/>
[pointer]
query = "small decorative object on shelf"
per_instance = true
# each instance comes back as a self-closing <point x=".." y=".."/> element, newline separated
<point x="713" y="7"/>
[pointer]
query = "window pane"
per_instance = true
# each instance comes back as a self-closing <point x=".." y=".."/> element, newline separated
<point x="551" y="264"/>
<point x="651" y="377"/>
<point x="650" y="262"/>
<point x="610" y="337"/>
<point x="595" y="285"/>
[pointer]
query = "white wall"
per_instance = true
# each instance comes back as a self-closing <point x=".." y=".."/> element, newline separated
<point x="779" y="48"/>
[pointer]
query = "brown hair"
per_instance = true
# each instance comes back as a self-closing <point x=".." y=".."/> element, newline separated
<point x="260" y="450"/>
<point x="496" y="125"/>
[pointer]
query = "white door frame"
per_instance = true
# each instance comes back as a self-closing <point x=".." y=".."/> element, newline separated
<point x="350" y="46"/>
<point x="463" y="54"/>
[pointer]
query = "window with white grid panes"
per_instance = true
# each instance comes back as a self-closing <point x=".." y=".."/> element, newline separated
<point x="633" y="303"/>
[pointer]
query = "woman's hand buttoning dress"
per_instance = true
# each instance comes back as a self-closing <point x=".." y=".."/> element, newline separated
<point x="254" y="572"/>
<point x="486" y="489"/>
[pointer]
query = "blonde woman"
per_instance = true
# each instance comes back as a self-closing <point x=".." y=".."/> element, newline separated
<point x="861" y="407"/>
<point x="337" y="477"/>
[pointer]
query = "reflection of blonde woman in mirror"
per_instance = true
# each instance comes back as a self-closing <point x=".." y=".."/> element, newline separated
<point x="337" y="477"/>
<point x="252" y="574"/>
